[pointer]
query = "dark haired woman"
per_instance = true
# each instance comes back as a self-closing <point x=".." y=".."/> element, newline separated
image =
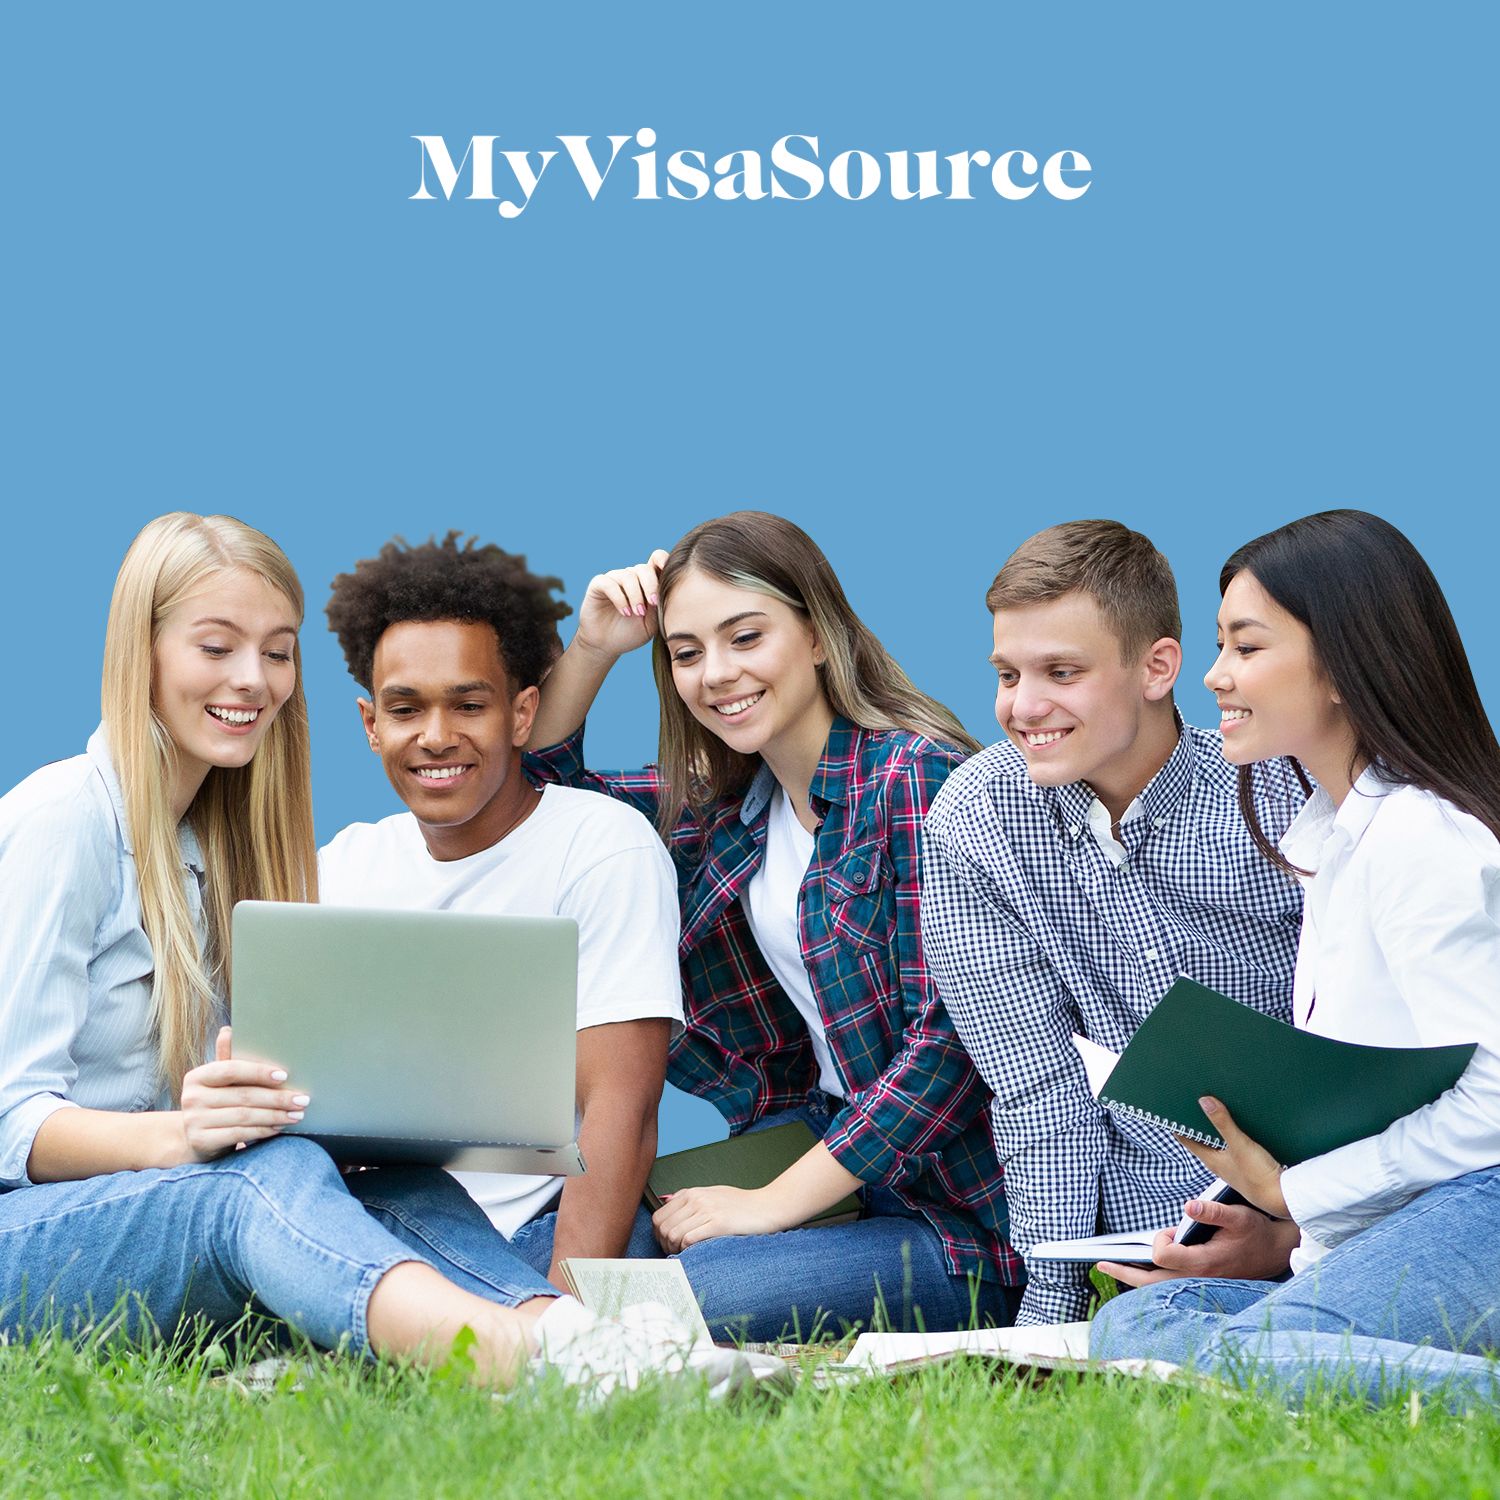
<point x="1337" y="648"/>
<point x="797" y="762"/>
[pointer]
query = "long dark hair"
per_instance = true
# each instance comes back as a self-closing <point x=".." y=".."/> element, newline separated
<point x="1385" y="639"/>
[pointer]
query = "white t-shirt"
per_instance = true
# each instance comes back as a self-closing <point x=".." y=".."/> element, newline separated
<point x="581" y="855"/>
<point x="770" y="903"/>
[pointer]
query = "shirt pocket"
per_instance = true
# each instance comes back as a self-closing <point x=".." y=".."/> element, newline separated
<point x="862" y="899"/>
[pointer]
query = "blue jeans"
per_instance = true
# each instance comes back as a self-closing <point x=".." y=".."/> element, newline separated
<point x="275" y="1228"/>
<point x="1411" y="1302"/>
<point x="887" y="1267"/>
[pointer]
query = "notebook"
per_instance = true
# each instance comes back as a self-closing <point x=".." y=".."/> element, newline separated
<point x="750" y="1160"/>
<point x="1298" y="1094"/>
<point x="1134" y="1247"/>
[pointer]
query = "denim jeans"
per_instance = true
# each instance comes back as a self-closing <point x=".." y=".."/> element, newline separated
<point x="887" y="1266"/>
<point x="276" y="1228"/>
<point x="1411" y="1302"/>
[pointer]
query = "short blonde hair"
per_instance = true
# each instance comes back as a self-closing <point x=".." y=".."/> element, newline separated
<point x="1119" y="569"/>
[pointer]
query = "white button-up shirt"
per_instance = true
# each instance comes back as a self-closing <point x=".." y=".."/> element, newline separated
<point x="1400" y="947"/>
<point x="75" y="963"/>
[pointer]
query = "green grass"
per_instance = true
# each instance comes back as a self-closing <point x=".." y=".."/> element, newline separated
<point x="163" y="1423"/>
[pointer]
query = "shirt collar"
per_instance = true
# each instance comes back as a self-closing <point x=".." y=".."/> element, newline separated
<point x="98" y="752"/>
<point x="830" y="781"/>
<point x="1319" y="824"/>
<point x="187" y="841"/>
<point x="1073" y="803"/>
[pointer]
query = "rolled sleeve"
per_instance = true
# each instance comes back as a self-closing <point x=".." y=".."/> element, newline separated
<point x="1016" y="1018"/>
<point x="929" y="1090"/>
<point x="57" y="882"/>
<point x="563" y="764"/>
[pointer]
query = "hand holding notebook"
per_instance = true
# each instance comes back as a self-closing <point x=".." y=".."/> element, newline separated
<point x="1294" y="1093"/>
<point x="1297" y="1094"/>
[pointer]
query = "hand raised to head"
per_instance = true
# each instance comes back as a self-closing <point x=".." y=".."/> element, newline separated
<point x="618" y="612"/>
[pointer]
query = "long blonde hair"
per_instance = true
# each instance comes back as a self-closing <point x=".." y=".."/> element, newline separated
<point x="254" y="823"/>
<point x="752" y="549"/>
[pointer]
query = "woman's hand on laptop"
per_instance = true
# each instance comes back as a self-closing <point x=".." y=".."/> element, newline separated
<point x="233" y="1102"/>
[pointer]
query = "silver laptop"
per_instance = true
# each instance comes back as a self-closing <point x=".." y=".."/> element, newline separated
<point x="442" y="1038"/>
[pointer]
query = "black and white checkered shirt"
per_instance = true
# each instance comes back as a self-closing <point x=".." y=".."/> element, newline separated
<point x="1033" y="933"/>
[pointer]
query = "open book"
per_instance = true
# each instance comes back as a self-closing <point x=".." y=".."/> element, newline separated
<point x="608" y="1287"/>
<point x="1055" y="1346"/>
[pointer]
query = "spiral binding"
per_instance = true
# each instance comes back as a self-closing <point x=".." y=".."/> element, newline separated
<point x="1145" y="1115"/>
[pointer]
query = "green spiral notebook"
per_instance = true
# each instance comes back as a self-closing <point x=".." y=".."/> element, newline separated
<point x="1298" y="1094"/>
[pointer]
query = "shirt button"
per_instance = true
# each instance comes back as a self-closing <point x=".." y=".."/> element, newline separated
<point x="1157" y="822"/>
<point x="1074" y="830"/>
<point x="1152" y="955"/>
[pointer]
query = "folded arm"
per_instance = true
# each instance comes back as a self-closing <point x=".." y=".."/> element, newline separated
<point x="1016" y="1018"/>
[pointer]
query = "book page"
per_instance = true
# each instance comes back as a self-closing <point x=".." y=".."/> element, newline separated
<point x="1041" y="1345"/>
<point x="608" y="1287"/>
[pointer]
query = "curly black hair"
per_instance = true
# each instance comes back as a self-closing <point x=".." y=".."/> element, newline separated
<point x="448" y="580"/>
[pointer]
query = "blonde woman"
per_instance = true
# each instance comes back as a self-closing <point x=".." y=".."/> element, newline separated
<point x="796" y="764"/>
<point x="135" y="1175"/>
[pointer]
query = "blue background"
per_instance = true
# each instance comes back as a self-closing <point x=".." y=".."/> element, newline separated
<point x="1274" y="299"/>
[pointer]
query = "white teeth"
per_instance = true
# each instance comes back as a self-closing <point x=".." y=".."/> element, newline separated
<point x="1228" y="714"/>
<point x="440" y="773"/>
<point x="1046" y="737"/>
<point x="234" y="715"/>
<point x="729" y="710"/>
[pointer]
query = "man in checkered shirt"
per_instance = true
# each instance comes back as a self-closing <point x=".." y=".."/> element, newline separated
<point x="1073" y="871"/>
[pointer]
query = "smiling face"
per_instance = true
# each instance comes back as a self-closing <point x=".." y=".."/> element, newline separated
<point x="223" y="665"/>
<point x="448" y="726"/>
<point x="1274" y="698"/>
<point x="1073" y="707"/>
<point x="745" y="665"/>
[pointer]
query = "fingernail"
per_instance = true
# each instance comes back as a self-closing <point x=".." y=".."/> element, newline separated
<point x="277" y="1076"/>
<point x="653" y="599"/>
<point x="1208" y="1104"/>
<point x="301" y="1100"/>
<point x="640" y="609"/>
<point x="294" y="1114"/>
<point x="1194" y="1206"/>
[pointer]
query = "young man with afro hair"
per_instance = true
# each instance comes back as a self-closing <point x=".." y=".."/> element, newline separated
<point x="449" y="641"/>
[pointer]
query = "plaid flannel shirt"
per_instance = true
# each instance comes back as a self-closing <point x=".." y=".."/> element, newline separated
<point x="916" y="1120"/>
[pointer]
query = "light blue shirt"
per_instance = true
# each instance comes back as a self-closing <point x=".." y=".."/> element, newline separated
<point x="75" y="964"/>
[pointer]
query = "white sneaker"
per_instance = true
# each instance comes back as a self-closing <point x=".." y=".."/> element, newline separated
<point x="603" y="1355"/>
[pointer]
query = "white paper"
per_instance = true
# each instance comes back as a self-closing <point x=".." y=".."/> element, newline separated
<point x="1098" y="1062"/>
<point x="1050" y="1341"/>
<point x="1126" y="1247"/>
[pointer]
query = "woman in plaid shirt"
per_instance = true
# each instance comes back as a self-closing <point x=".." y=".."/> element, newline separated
<point x="797" y="763"/>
